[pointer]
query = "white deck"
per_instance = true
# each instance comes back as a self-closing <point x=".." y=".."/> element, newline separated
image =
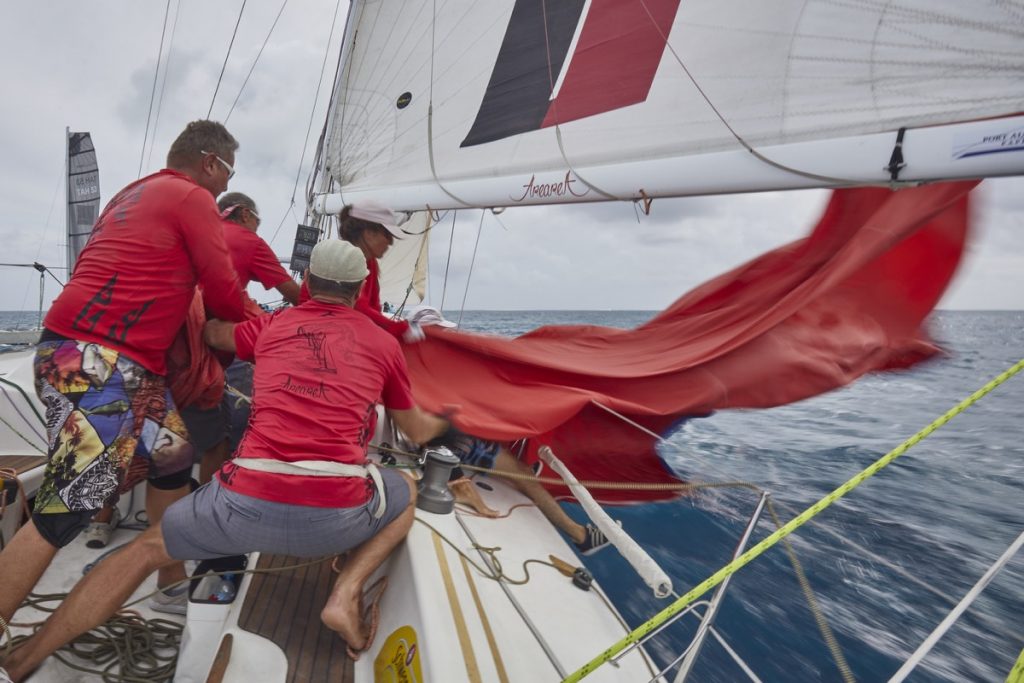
<point x="443" y="616"/>
<point x="464" y="626"/>
<point x="61" y="577"/>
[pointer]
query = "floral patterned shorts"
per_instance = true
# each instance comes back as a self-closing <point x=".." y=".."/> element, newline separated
<point x="110" y="423"/>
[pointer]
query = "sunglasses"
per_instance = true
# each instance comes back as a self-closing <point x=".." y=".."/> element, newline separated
<point x="230" y="169"/>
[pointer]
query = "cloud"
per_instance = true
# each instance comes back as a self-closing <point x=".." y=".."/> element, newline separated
<point x="91" y="67"/>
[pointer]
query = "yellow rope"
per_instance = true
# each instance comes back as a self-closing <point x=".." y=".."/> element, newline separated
<point x="644" y="629"/>
<point x="1017" y="672"/>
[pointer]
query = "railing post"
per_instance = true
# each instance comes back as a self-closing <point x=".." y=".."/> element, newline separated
<point x="716" y="599"/>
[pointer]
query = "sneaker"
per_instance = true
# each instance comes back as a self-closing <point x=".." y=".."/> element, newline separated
<point x="97" y="534"/>
<point x="174" y="601"/>
<point x="4" y="676"/>
<point x="595" y="540"/>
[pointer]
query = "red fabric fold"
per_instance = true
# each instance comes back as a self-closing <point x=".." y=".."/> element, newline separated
<point x="800" y="320"/>
<point x="195" y="372"/>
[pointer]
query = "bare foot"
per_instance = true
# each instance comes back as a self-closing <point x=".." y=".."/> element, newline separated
<point x="466" y="493"/>
<point x="344" y="616"/>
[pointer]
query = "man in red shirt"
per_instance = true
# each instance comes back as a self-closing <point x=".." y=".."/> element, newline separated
<point x="253" y="258"/>
<point x="215" y="431"/>
<point x="300" y="484"/>
<point x="99" y="364"/>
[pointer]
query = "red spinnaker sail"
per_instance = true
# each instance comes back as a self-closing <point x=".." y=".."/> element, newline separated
<point x="797" y="321"/>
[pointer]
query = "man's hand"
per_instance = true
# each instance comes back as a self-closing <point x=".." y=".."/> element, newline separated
<point x="414" y="334"/>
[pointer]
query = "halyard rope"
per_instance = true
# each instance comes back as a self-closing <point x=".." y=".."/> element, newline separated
<point x="789" y="527"/>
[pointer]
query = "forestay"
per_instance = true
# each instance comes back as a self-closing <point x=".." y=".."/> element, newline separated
<point x="508" y="102"/>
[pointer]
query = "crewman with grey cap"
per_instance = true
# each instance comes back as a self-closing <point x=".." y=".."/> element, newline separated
<point x="320" y="368"/>
<point x="373" y="228"/>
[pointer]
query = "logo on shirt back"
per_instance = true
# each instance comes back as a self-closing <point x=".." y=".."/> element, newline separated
<point x="319" y="353"/>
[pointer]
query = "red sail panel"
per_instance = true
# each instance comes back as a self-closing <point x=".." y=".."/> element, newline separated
<point x="616" y="57"/>
<point x="800" y="320"/>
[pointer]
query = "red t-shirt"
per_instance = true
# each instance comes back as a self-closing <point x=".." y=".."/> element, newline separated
<point x="136" y="277"/>
<point x="320" y="369"/>
<point x="368" y="302"/>
<point x="254" y="260"/>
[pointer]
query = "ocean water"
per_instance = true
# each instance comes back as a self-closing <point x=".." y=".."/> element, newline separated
<point x="942" y="514"/>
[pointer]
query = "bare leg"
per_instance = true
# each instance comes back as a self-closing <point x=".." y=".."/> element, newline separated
<point x="105" y="514"/>
<point x="540" y="497"/>
<point x="22" y="562"/>
<point x="342" y="611"/>
<point x="213" y="458"/>
<point x="96" y="597"/>
<point x="157" y="501"/>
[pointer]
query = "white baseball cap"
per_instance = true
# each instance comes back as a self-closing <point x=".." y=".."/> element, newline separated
<point x="425" y="316"/>
<point x="369" y="210"/>
<point x="339" y="261"/>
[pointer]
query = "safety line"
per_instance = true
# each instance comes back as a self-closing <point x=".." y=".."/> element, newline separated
<point x="24" y="395"/>
<point x="789" y="527"/>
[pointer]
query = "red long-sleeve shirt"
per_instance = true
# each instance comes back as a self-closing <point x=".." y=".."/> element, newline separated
<point x="253" y="258"/>
<point x="132" y="285"/>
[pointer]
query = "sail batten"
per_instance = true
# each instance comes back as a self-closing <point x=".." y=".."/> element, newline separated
<point x="516" y="89"/>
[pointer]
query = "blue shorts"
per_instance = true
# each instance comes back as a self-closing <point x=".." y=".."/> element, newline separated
<point x="216" y="522"/>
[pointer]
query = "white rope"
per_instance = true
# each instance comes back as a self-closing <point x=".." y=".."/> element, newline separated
<point x="957" y="612"/>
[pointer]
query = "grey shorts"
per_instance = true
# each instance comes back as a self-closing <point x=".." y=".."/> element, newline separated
<point x="215" y="522"/>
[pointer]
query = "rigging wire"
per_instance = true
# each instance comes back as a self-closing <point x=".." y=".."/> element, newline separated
<point x="42" y="235"/>
<point x="225" y="64"/>
<point x="322" y="140"/>
<point x="312" y="114"/>
<point x="152" y="94"/>
<point x="163" y="84"/>
<point x="256" y="61"/>
<point x="465" y="293"/>
<point x="451" y="241"/>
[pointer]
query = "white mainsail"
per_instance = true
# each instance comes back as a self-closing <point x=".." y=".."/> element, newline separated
<point x="511" y="102"/>
<point x="83" y="193"/>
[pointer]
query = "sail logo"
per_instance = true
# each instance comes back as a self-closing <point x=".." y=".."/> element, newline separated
<point x="965" y="146"/>
<point x="534" y="190"/>
<point x="569" y="60"/>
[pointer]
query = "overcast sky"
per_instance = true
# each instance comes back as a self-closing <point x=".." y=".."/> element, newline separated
<point x="90" y="66"/>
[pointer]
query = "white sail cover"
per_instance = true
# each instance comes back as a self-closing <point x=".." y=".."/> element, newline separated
<point x="83" y="193"/>
<point x="504" y="102"/>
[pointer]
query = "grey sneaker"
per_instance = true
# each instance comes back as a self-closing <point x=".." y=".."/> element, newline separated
<point x="97" y="534"/>
<point x="595" y="540"/>
<point x="174" y="601"/>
